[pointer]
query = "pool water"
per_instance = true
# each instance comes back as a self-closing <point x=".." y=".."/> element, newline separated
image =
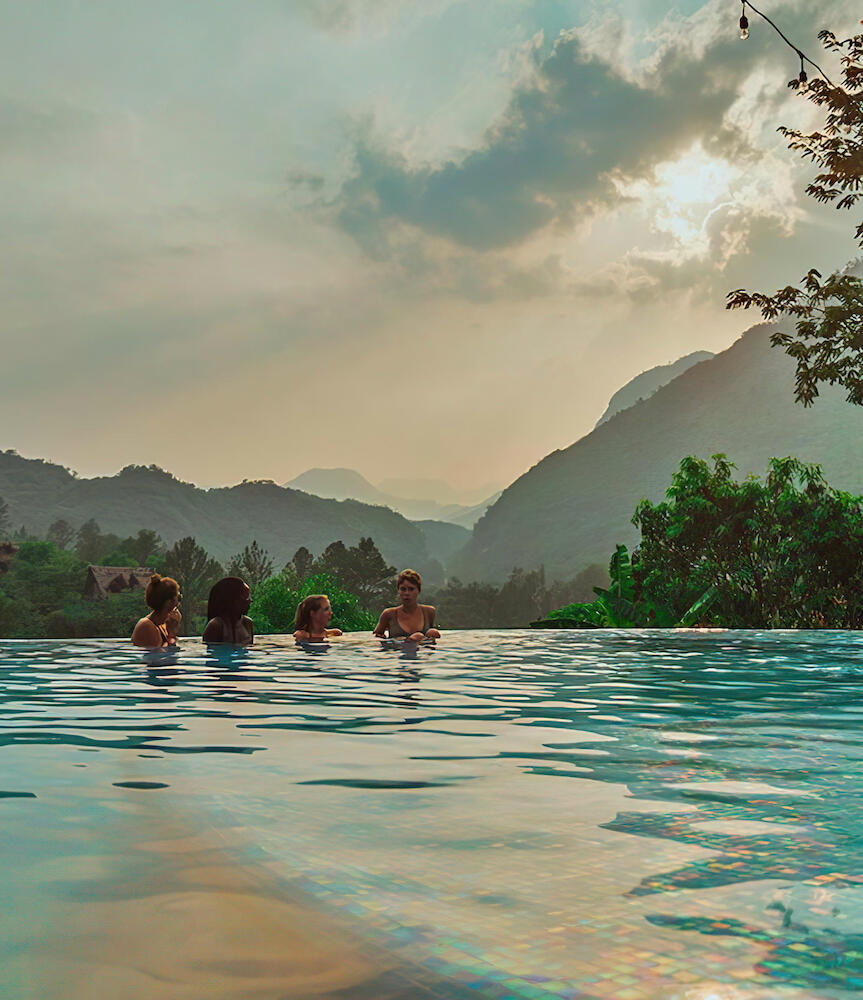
<point x="515" y="814"/>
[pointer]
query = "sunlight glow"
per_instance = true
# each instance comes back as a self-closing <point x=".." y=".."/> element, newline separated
<point x="694" y="179"/>
<point x="684" y="195"/>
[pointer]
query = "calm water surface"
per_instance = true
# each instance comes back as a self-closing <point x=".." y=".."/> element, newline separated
<point x="510" y="814"/>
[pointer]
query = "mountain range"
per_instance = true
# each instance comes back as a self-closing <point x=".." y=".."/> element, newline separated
<point x="571" y="508"/>
<point x="223" y="520"/>
<point x="565" y="513"/>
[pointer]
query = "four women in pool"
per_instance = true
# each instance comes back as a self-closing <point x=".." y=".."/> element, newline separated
<point x="230" y="599"/>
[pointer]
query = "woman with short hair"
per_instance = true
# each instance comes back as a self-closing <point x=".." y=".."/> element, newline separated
<point x="160" y="627"/>
<point x="411" y="620"/>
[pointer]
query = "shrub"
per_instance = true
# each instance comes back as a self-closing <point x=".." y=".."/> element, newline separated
<point x="274" y="604"/>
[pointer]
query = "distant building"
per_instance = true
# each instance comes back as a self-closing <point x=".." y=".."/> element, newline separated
<point x="102" y="581"/>
<point x="7" y="552"/>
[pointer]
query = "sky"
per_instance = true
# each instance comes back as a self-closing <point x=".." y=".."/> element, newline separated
<point x="239" y="240"/>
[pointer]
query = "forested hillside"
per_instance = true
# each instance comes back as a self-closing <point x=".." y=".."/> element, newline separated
<point x="571" y="508"/>
<point x="223" y="521"/>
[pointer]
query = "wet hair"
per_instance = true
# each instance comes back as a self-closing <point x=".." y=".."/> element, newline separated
<point x="227" y="596"/>
<point x="305" y="609"/>
<point x="159" y="590"/>
<point x="411" y="576"/>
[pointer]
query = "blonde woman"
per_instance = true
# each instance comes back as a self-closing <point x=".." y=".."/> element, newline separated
<point x="411" y="620"/>
<point x="313" y="616"/>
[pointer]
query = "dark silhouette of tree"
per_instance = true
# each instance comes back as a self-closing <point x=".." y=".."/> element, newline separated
<point x="5" y="519"/>
<point x="828" y="344"/>
<point x="61" y="533"/>
<point x="195" y="571"/>
<point x="524" y="597"/>
<point x="360" y="569"/>
<point x="89" y="545"/>
<point x="467" y="605"/>
<point x="253" y="564"/>
<point x="143" y="547"/>
<point x="302" y="563"/>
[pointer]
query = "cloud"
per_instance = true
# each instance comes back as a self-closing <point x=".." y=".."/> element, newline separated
<point x="586" y="130"/>
<point x="555" y="155"/>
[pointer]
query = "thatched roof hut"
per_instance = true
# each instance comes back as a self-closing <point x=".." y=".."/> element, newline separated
<point x="102" y="581"/>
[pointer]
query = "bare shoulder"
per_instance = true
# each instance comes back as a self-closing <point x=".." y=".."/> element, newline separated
<point x="145" y="633"/>
<point x="301" y="634"/>
<point x="213" y="631"/>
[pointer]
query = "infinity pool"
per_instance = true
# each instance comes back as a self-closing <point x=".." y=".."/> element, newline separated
<point x="511" y="814"/>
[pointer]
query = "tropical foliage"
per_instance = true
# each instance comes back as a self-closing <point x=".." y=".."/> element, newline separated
<point x="40" y="595"/>
<point x="623" y="605"/>
<point x="782" y="553"/>
<point x="828" y="343"/>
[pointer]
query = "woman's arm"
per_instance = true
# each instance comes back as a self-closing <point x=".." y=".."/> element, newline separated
<point x="333" y="631"/>
<point x="383" y="624"/>
<point x="301" y="636"/>
<point x="431" y="631"/>
<point x="146" y="634"/>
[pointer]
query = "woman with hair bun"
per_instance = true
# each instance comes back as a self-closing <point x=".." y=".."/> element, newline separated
<point x="160" y="627"/>
<point x="411" y="620"/>
<point x="228" y="603"/>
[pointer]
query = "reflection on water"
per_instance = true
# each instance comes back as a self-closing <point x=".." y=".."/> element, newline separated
<point x="507" y="814"/>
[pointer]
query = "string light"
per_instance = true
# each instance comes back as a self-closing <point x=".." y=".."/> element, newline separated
<point x="802" y="79"/>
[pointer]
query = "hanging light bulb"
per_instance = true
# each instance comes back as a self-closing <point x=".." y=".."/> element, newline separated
<point x="802" y="78"/>
<point x="744" y="24"/>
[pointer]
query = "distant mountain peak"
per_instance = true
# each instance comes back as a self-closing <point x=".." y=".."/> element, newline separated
<point x="416" y="499"/>
<point x="337" y="484"/>
<point x="647" y="383"/>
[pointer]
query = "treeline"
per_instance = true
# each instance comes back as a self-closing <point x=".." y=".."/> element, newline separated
<point x="783" y="553"/>
<point x="41" y="587"/>
<point x="42" y="581"/>
<point x="525" y="596"/>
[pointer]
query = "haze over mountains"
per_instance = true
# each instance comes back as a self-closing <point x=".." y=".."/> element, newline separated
<point x="417" y="499"/>
<point x="571" y="508"/>
<point x="565" y="513"/>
